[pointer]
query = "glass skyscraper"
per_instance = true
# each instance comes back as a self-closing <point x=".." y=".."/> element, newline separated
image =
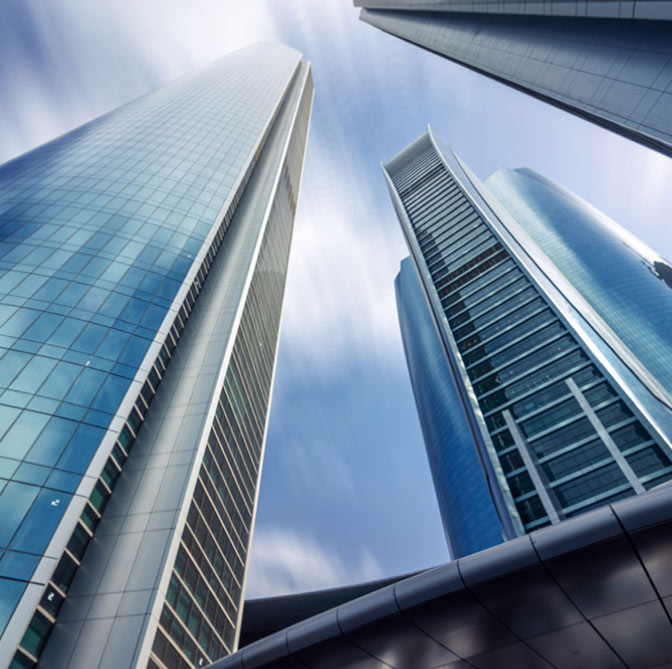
<point x="142" y="270"/>
<point x="609" y="62"/>
<point x="555" y="328"/>
<point x="468" y="512"/>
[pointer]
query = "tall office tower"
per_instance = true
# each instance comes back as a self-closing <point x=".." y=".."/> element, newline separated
<point x="556" y="332"/>
<point x="609" y="62"/>
<point x="143" y="261"/>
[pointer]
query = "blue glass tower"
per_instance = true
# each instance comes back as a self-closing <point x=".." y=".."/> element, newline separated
<point x="142" y="267"/>
<point x="554" y="327"/>
<point x="470" y="519"/>
<point x="628" y="285"/>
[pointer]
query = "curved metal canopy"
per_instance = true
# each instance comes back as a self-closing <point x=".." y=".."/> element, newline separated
<point x="592" y="591"/>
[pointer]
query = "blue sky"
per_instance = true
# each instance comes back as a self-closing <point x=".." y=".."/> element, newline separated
<point x="346" y="493"/>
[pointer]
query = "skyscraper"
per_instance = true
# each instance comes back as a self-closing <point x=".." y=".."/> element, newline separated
<point x="609" y="62"/>
<point x="143" y="261"/>
<point x="556" y="332"/>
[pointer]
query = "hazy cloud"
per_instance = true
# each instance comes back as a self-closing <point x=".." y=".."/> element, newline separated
<point x="284" y="561"/>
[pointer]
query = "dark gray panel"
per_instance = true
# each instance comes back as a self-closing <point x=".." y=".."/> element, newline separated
<point x="314" y="630"/>
<point x="576" y="647"/>
<point x="399" y="643"/>
<point x="649" y="525"/>
<point x="274" y="646"/>
<point x="393" y="638"/>
<point x="289" y="662"/>
<point x="337" y="654"/>
<point x="602" y="578"/>
<point x="318" y="642"/>
<point x="367" y="609"/>
<point x="517" y="655"/>
<point x="641" y="635"/>
<point x="510" y="582"/>
<point x="439" y="604"/>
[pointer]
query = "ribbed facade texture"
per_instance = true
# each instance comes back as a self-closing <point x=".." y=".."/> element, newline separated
<point x="563" y="413"/>
<point x="143" y="262"/>
<point x="608" y="62"/>
<point x="469" y="516"/>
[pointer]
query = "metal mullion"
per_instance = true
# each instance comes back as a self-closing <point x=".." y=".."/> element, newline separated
<point x="535" y="473"/>
<point x="442" y="277"/>
<point x="440" y="232"/>
<point x="412" y="178"/>
<point x="509" y="328"/>
<point x="242" y="377"/>
<point x="518" y="358"/>
<point x="572" y="476"/>
<point x="452" y="251"/>
<point x="200" y="608"/>
<point x="214" y="538"/>
<point x="483" y="295"/>
<point x="540" y="409"/>
<point x="419" y="198"/>
<point x="474" y="245"/>
<point x="467" y="219"/>
<point x="221" y="501"/>
<point x="188" y="632"/>
<point x="498" y="318"/>
<point x="428" y="199"/>
<point x="596" y="498"/>
<point x="238" y="436"/>
<point x="243" y="448"/>
<point x="233" y="464"/>
<point x="471" y="220"/>
<point x="234" y="384"/>
<point x="419" y="164"/>
<point x="604" y="435"/>
<point x="212" y="569"/>
<point x="440" y="212"/>
<point x="226" y="483"/>
<point x="441" y="189"/>
<point x="428" y="212"/>
<point x="252" y="424"/>
<point x="566" y="421"/>
<point x="251" y="360"/>
<point x="208" y="471"/>
<point x="461" y="270"/>
<point x="536" y="368"/>
<point x="574" y="446"/>
<point x="219" y="550"/>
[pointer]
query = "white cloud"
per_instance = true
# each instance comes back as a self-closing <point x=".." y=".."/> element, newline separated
<point x="340" y="294"/>
<point x="284" y="561"/>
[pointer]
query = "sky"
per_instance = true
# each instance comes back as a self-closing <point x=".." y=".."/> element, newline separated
<point x="346" y="492"/>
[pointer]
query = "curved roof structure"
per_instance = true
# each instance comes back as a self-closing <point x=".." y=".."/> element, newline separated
<point x="592" y="591"/>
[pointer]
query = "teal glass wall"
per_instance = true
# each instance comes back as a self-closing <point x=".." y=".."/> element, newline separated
<point x="98" y="232"/>
<point x="469" y="516"/>
<point x="629" y="285"/>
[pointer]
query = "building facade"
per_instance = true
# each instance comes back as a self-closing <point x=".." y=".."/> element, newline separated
<point x="143" y="262"/>
<point x="469" y="516"/>
<point x="562" y="379"/>
<point x="608" y="62"/>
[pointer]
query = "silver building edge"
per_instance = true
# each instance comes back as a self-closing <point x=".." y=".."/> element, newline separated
<point x="146" y="566"/>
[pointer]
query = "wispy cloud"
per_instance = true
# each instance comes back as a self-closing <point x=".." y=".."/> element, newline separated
<point x="284" y="561"/>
